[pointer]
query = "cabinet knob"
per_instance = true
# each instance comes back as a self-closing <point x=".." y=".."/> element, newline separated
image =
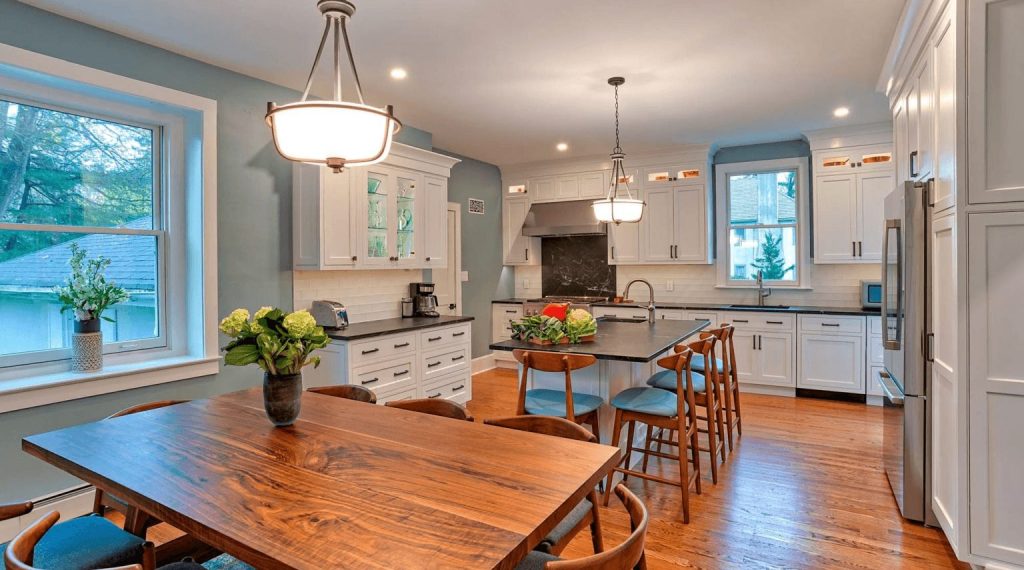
<point x="354" y="258"/>
<point x="428" y="258"/>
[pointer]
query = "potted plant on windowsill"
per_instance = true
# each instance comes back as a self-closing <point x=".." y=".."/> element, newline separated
<point x="88" y="293"/>
<point x="281" y="345"/>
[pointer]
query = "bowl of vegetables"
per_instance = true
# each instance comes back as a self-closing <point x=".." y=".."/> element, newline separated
<point x="556" y="324"/>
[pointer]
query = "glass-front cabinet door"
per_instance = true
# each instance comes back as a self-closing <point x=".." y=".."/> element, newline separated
<point x="407" y="188"/>
<point x="378" y="217"/>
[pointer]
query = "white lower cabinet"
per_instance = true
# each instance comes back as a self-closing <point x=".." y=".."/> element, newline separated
<point x="622" y="312"/>
<point x="401" y="366"/>
<point x="764" y="348"/>
<point x="501" y="329"/>
<point x="874" y="357"/>
<point x="831" y="353"/>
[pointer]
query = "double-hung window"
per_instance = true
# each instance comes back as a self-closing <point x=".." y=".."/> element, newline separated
<point x="73" y="179"/>
<point x="762" y="212"/>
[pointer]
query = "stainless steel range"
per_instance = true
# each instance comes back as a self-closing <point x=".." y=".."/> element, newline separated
<point x="535" y="306"/>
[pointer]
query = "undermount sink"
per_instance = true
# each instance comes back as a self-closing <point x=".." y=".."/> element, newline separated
<point x="758" y="306"/>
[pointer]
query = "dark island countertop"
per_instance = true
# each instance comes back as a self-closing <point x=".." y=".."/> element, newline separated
<point x="636" y="341"/>
<point x="391" y="326"/>
<point x="801" y="309"/>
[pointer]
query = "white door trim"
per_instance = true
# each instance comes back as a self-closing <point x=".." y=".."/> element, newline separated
<point x="456" y="208"/>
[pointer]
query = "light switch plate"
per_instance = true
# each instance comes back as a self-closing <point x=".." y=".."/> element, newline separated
<point x="464" y="276"/>
<point x="669" y="285"/>
<point x="526" y="283"/>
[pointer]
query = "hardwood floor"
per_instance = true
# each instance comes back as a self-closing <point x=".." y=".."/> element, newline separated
<point x="804" y="489"/>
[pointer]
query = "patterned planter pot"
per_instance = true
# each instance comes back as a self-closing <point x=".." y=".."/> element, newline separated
<point x="87" y="346"/>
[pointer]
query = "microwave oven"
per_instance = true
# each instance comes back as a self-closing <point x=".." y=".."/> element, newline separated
<point x="871" y="294"/>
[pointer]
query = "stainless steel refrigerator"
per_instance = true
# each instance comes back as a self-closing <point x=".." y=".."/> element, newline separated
<point x="906" y="338"/>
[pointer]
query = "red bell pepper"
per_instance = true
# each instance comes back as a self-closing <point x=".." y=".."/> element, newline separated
<point x="556" y="310"/>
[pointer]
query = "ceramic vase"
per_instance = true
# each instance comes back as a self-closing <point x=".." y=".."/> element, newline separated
<point x="87" y="346"/>
<point x="282" y="397"/>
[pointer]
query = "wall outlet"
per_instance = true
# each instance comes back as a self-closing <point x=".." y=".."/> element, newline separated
<point x="464" y="276"/>
<point x="526" y="283"/>
<point x="669" y="285"/>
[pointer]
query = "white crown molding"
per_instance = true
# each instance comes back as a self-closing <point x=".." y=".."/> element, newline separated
<point x="416" y="158"/>
<point x="912" y="29"/>
<point x="855" y="135"/>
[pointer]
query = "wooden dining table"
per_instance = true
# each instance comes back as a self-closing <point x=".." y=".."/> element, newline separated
<point x="349" y="485"/>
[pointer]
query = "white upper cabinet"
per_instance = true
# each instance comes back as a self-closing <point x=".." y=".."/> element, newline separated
<point x="674" y="228"/>
<point x="543" y="189"/>
<point x="657" y="227"/>
<point x="518" y="249"/>
<point x="850" y="184"/>
<point x="568" y="187"/>
<point x="594" y="184"/>
<point x="387" y="215"/>
<point x="995" y="82"/>
<point x="944" y="171"/>
<point x="623" y="244"/>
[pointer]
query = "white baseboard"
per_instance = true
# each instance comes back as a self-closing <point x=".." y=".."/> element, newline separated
<point x="483" y="363"/>
<point x="746" y="387"/>
<point x="71" y="503"/>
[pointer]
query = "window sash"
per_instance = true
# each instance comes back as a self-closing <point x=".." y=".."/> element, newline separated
<point x="158" y="196"/>
<point x="798" y="263"/>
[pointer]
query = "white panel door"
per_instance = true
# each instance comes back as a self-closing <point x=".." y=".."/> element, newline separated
<point x="946" y="423"/>
<point x="657" y="226"/>
<point x="516" y="245"/>
<point x="690" y="223"/>
<point x="835" y="218"/>
<point x="568" y="187"/>
<point x="995" y="81"/>
<point x="593" y="184"/>
<point x="924" y="79"/>
<point x="775" y="359"/>
<point x="623" y="244"/>
<point x="944" y="56"/>
<point x="900" y="151"/>
<point x="748" y="366"/>
<point x="995" y="269"/>
<point x="831" y="362"/>
<point x="872" y="190"/>
<point x="435" y="228"/>
<point x="339" y="239"/>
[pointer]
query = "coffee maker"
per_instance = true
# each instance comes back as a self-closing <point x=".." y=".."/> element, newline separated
<point x="424" y="301"/>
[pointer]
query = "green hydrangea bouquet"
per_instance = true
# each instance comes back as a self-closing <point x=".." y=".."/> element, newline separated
<point x="280" y="344"/>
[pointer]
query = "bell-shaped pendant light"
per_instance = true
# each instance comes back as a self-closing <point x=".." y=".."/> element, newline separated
<point x="612" y="208"/>
<point x="335" y="132"/>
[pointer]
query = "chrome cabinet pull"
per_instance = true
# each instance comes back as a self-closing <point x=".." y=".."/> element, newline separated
<point x="913" y="164"/>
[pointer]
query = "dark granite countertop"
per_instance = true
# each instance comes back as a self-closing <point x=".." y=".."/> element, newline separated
<point x="853" y="311"/>
<point x="512" y="301"/>
<point x="636" y="341"/>
<point x="391" y="326"/>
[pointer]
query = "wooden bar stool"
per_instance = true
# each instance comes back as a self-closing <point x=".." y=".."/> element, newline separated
<point x="675" y="410"/>
<point x="584" y="514"/>
<point x="707" y="395"/>
<point x="728" y="378"/>
<point x="574" y="406"/>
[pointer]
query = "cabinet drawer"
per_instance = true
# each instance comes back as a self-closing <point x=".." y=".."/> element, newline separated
<point x="875" y="325"/>
<point x="621" y="312"/>
<point x="760" y="321"/>
<point x="387" y="377"/>
<point x="440" y="363"/>
<point x="408" y="394"/>
<point x="455" y="387"/>
<point x="382" y="348"/>
<point x="501" y="315"/>
<point x="670" y="315"/>
<point x="712" y="318"/>
<point x="830" y="324"/>
<point x="876" y="355"/>
<point x="433" y="338"/>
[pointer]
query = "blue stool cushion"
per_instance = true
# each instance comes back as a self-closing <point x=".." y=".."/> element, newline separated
<point x="541" y="402"/>
<point x="697" y="363"/>
<point x="562" y="529"/>
<point x="536" y="560"/>
<point x="86" y="542"/>
<point x="666" y="380"/>
<point x="647" y="401"/>
<point x="225" y="562"/>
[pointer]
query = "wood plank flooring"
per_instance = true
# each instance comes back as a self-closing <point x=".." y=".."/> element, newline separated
<point x="804" y="489"/>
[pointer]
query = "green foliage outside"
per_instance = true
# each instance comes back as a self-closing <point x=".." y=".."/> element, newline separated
<point x="64" y="169"/>
<point x="771" y="262"/>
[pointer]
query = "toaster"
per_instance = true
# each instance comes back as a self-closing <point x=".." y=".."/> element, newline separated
<point x="329" y="314"/>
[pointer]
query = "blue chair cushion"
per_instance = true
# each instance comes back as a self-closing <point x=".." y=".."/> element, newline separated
<point x="536" y="560"/>
<point x="84" y="543"/>
<point x="651" y="401"/>
<point x="697" y="363"/>
<point x="541" y="402"/>
<point x="562" y="529"/>
<point x="666" y="380"/>
<point x="225" y="562"/>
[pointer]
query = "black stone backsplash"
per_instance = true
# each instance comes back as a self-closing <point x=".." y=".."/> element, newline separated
<point x="576" y="265"/>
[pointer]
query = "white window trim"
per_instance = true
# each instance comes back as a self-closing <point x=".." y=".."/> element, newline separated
<point x="191" y="188"/>
<point x="722" y="173"/>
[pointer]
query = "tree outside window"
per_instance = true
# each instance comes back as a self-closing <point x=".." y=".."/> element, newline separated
<point x="763" y="209"/>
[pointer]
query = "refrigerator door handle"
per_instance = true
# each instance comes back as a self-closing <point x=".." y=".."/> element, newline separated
<point x="892" y="343"/>
<point x="890" y="389"/>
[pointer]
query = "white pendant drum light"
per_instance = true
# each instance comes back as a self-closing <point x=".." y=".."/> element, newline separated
<point x="335" y="132"/>
<point x="612" y="208"/>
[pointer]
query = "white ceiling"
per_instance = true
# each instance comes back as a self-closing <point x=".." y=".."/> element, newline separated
<point x="503" y="81"/>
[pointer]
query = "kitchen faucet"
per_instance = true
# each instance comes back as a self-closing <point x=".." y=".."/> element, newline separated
<point x="650" y="302"/>
<point x="761" y="291"/>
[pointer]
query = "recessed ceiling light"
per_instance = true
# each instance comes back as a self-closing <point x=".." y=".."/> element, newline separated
<point x="841" y="112"/>
<point x="398" y="73"/>
<point x="562" y="147"/>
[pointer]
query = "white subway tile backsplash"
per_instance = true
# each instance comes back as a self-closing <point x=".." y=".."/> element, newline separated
<point x="368" y="295"/>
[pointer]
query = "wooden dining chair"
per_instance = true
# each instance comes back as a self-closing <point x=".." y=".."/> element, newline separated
<point x="659" y="408"/>
<point x="434" y="407"/>
<point x="77" y="544"/>
<point x="708" y="395"/>
<point x="135" y="521"/>
<point x="347" y="391"/>
<point x="574" y="406"/>
<point x="628" y="554"/>
<point x="587" y="512"/>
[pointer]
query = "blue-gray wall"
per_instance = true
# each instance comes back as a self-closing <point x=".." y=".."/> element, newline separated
<point x="254" y="220"/>
<point x="481" y="244"/>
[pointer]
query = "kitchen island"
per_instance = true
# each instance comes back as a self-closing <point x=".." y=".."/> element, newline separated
<point x="626" y="352"/>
